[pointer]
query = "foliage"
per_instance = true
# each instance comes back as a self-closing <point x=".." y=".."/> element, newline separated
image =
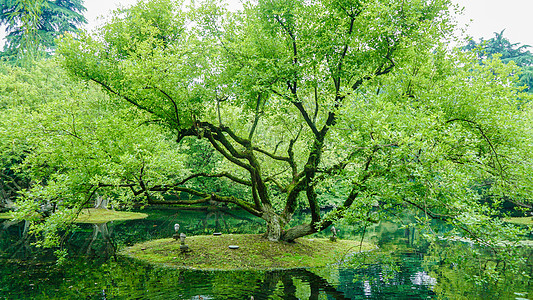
<point x="352" y="103"/>
<point x="510" y="52"/>
<point x="68" y="141"/>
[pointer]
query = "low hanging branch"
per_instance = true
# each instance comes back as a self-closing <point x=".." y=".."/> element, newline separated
<point x="486" y="138"/>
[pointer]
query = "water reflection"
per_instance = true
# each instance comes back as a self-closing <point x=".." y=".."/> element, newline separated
<point x="15" y="239"/>
<point x="101" y="244"/>
<point x="406" y="267"/>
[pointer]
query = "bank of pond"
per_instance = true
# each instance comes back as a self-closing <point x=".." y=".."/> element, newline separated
<point x="388" y="260"/>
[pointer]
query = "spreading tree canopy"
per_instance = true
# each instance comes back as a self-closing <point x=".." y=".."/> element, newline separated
<point x="359" y="104"/>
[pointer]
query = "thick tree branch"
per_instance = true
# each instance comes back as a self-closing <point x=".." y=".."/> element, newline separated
<point x="219" y="131"/>
<point x="290" y="152"/>
<point x="271" y="155"/>
<point x="337" y="76"/>
<point x="227" y="155"/>
<point x="306" y="117"/>
<point x="282" y="188"/>
<point x="12" y="180"/>
<point x="185" y="202"/>
<point x="255" y="195"/>
<point x="256" y="118"/>
<point x="206" y="196"/>
<point x="230" y="199"/>
<point x="223" y="174"/>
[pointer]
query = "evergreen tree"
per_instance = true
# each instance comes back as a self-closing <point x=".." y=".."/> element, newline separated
<point x="35" y="24"/>
<point x="509" y="52"/>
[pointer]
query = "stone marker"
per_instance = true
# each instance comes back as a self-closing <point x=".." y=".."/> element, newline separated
<point x="176" y="236"/>
<point x="183" y="246"/>
<point x="333" y="238"/>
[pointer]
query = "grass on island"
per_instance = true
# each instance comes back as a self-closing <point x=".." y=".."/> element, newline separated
<point x="520" y="221"/>
<point x="6" y="215"/>
<point x="213" y="253"/>
<point x="95" y="216"/>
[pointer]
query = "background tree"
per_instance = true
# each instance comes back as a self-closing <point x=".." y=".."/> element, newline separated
<point x="499" y="45"/>
<point x="35" y="24"/>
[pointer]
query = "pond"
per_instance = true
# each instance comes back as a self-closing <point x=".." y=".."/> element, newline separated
<point x="406" y="266"/>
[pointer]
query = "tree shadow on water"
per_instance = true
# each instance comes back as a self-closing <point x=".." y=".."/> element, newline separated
<point x="294" y="281"/>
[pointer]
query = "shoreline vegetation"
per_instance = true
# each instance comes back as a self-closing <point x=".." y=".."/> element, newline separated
<point x="254" y="252"/>
<point x="97" y="215"/>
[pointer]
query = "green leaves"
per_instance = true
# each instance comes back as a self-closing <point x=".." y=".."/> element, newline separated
<point x="358" y="104"/>
<point x="508" y="53"/>
<point x="68" y="139"/>
<point x="144" y="56"/>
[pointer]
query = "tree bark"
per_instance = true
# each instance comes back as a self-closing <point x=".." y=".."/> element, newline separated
<point x="297" y="232"/>
<point x="274" y="225"/>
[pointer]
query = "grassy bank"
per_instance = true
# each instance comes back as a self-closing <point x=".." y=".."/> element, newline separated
<point x="95" y="216"/>
<point x="520" y="221"/>
<point x="212" y="252"/>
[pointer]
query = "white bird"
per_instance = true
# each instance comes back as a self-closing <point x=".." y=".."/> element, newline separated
<point x="176" y="227"/>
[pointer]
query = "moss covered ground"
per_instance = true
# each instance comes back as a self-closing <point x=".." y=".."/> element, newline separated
<point x="254" y="252"/>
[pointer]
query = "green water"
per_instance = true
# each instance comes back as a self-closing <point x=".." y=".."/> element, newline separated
<point x="406" y="267"/>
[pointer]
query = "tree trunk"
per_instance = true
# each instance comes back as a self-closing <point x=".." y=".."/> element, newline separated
<point x="274" y="227"/>
<point x="276" y="233"/>
<point x="275" y="224"/>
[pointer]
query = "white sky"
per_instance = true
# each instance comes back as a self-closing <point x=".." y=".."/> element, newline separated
<point x="488" y="16"/>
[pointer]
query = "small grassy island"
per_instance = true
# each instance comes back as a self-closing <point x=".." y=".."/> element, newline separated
<point x="254" y="252"/>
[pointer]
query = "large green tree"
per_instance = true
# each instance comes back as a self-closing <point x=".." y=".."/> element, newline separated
<point x="34" y="24"/>
<point x="356" y="103"/>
